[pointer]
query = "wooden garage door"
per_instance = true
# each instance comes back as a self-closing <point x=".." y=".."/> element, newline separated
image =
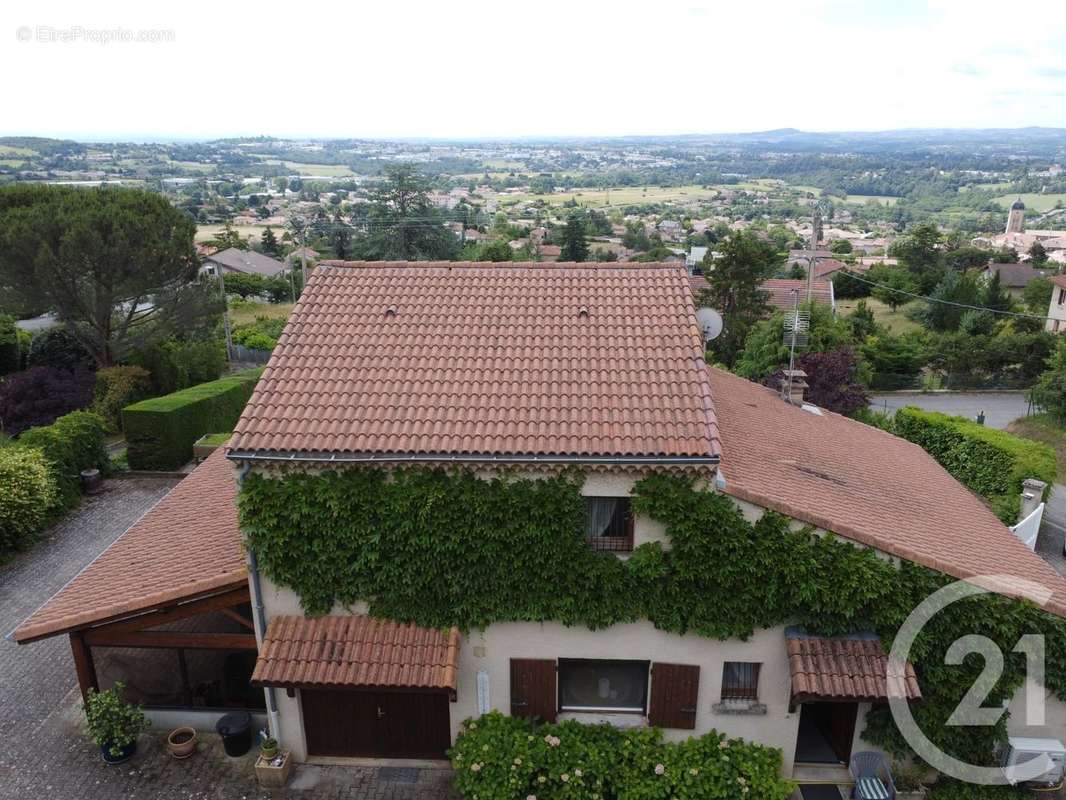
<point x="376" y="724"/>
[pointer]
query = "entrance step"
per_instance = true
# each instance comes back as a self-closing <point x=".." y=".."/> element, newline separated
<point x="817" y="791"/>
<point x="828" y="774"/>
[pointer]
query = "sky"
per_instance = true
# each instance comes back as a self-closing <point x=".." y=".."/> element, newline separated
<point x="199" y="70"/>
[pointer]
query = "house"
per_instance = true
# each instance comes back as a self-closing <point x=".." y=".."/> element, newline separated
<point x="247" y="262"/>
<point x="1056" y="312"/>
<point x="432" y="436"/>
<point x="549" y="252"/>
<point x="781" y="292"/>
<point x="695" y="257"/>
<point x="1015" y="277"/>
<point x="670" y="229"/>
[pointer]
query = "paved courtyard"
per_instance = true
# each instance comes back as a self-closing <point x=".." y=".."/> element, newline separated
<point x="45" y="753"/>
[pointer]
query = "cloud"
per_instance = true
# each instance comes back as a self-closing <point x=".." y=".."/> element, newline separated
<point x="1050" y="72"/>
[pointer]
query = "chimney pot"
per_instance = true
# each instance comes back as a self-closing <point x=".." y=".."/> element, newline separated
<point x="793" y="385"/>
<point x="1032" y="496"/>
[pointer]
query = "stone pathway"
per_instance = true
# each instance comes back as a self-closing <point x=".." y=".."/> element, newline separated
<point x="44" y="752"/>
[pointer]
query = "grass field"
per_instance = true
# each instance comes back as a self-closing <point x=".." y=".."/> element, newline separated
<point x="12" y="162"/>
<point x="895" y="321"/>
<point x="193" y="166"/>
<point x="1043" y="429"/>
<point x="1033" y="201"/>
<point x="8" y="150"/>
<point x="254" y="232"/>
<point x="246" y="313"/>
<point x="626" y="196"/>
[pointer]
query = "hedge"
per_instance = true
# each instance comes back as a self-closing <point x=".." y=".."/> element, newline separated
<point x="497" y="756"/>
<point x="10" y="355"/>
<point x="28" y="497"/>
<point x="160" y="432"/>
<point x="991" y="462"/>
<point x="116" y="388"/>
<point x="72" y="443"/>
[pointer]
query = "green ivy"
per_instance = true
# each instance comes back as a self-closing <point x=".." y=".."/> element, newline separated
<point x="440" y="548"/>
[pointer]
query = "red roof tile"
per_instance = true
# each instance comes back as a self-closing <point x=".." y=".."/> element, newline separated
<point x="827" y="266"/>
<point x="188" y="545"/>
<point x="1059" y="280"/>
<point x="353" y="650"/>
<point x="865" y="485"/>
<point x="782" y="297"/>
<point x="843" y="668"/>
<point x="487" y="360"/>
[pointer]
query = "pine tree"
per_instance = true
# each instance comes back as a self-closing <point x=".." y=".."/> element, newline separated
<point x="269" y="242"/>
<point x="574" y="247"/>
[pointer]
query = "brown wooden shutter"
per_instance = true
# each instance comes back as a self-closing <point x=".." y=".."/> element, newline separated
<point x="674" y="694"/>
<point x="533" y="692"/>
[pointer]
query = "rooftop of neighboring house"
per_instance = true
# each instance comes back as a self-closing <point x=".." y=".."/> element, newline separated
<point x="503" y="362"/>
<point x="247" y="261"/>
<point x="1059" y="280"/>
<point x="830" y="471"/>
<point x="827" y="266"/>
<point x="1018" y="276"/>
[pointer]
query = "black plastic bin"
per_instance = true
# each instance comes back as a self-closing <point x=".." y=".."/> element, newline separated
<point x="236" y="732"/>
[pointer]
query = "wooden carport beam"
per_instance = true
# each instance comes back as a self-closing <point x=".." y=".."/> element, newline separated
<point x="83" y="665"/>
<point x="102" y="637"/>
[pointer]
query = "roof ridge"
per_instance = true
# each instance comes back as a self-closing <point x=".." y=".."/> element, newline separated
<point x="620" y="266"/>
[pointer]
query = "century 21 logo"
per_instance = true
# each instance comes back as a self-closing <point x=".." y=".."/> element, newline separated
<point x="970" y="711"/>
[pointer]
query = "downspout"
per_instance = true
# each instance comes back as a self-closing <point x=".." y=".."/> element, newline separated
<point x="259" y="615"/>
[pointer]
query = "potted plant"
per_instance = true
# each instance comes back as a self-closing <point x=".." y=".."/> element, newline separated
<point x="273" y="771"/>
<point x="908" y="780"/>
<point x="182" y="742"/>
<point x="114" y="724"/>
<point x="268" y="748"/>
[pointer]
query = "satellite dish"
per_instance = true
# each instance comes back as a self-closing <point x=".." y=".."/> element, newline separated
<point x="710" y="322"/>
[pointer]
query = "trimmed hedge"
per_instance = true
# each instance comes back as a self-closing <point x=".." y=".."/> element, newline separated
<point x="991" y="462"/>
<point x="160" y="432"/>
<point x="116" y="388"/>
<point x="496" y="756"/>
<point x="28" y="497"/>
<point x="70" y="444"/>
<point x="10" y="355"/>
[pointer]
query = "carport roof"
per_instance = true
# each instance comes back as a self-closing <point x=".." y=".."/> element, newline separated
<point x="186" y="547"/>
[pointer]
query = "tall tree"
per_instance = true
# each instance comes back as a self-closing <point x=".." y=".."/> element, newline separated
<point x="920" y="254"/>
<point x="400" y="223"/>
<point x="735" y="290"/>
<point x="1038" y="254"/>
<point x="117" y="266"/>
<point x="995" y="295"/>
<point x="574" y="246"/>
<point x="268" y="242"/>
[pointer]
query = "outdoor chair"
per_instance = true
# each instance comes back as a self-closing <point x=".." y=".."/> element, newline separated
<point x="872" y="776"/>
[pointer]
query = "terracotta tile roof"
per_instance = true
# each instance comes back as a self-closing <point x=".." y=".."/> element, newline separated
<point x="842" y="668"/>
<point x="1018" y="276"/>
<point x="1059" y="280"/>
<point x="781" y="296"/>
<point x="188" y="545"/>
<point x="353" y="650"/>
<point x="779" y="291"/>
<point x="865" y="485"/>
<point x="486" y="360"/>
<point x="827" y="266"/>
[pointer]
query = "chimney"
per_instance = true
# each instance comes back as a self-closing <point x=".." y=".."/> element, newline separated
<point x="1032" y="496"/>
<point x="793" y="385"/>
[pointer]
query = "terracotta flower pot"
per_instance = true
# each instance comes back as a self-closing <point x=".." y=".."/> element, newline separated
<point x="182" y="742"/>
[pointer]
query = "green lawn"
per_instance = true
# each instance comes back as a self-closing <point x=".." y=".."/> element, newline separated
<point x="205" y="232"/>
<point x="1033" y="201"/>
<point x="246" y="313"/>
<point x="8" y="150"/>
<point x="863" y="199"/>
<point x="1042" y="428"/>
<point x="896" y="321"/>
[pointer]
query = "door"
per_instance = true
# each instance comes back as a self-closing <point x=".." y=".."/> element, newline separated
<point x="341" y="723"/>
<point x="826" y="732"/>
<point x="533" y="688"/>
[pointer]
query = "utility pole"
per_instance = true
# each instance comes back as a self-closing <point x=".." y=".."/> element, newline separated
<point x="225" y="317"/>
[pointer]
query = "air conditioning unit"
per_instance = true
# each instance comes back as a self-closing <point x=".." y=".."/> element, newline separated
<point x="1021" y="750"/>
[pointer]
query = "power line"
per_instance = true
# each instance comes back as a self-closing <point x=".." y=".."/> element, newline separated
<point x="944" y="302"/>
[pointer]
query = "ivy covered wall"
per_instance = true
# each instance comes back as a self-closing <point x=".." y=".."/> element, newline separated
<point x="439" y="548"/>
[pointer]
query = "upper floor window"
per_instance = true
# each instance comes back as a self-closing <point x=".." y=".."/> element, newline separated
<point x="1062" y="296"/>
<point x="740" y="681"/>
<point x="609" y="523"/>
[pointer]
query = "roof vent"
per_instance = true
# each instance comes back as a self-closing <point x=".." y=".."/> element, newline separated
<point x="390" y="311"/>
<point x="583" y="312"/>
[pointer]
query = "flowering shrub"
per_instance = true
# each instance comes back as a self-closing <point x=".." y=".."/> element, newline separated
<point x="498" y="757"/>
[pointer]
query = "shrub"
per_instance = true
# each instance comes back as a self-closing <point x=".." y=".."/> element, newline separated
<point x="1050" y="391"/>
<point x="58" y="347"/>
<point x="116" y="388"/>
<point x="10" y="356"/>
<point x="244" y="285"/>
<point x="72" y="443"/>
<point x="262" y="334"/>
<point x="176" y="365"/>
<point x="160" y="432"/>
<point x="40" y="395"/>
<point x="990" y="462"/>
<point x="957" y="790"/>
<point x="27" y="499"/>
<point x="500" y="756"/>
<point x="113" y="723"/>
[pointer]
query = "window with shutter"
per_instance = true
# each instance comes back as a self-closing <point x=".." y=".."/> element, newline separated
<point x="533" y="692"/>
<point x="674" y="694"/>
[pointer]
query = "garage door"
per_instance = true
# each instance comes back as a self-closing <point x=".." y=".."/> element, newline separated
<point x="376" y="724"/>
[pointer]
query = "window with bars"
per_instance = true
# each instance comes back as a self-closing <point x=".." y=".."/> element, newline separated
<point x="609" y="523"/>
<point x="740" y="681"/>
